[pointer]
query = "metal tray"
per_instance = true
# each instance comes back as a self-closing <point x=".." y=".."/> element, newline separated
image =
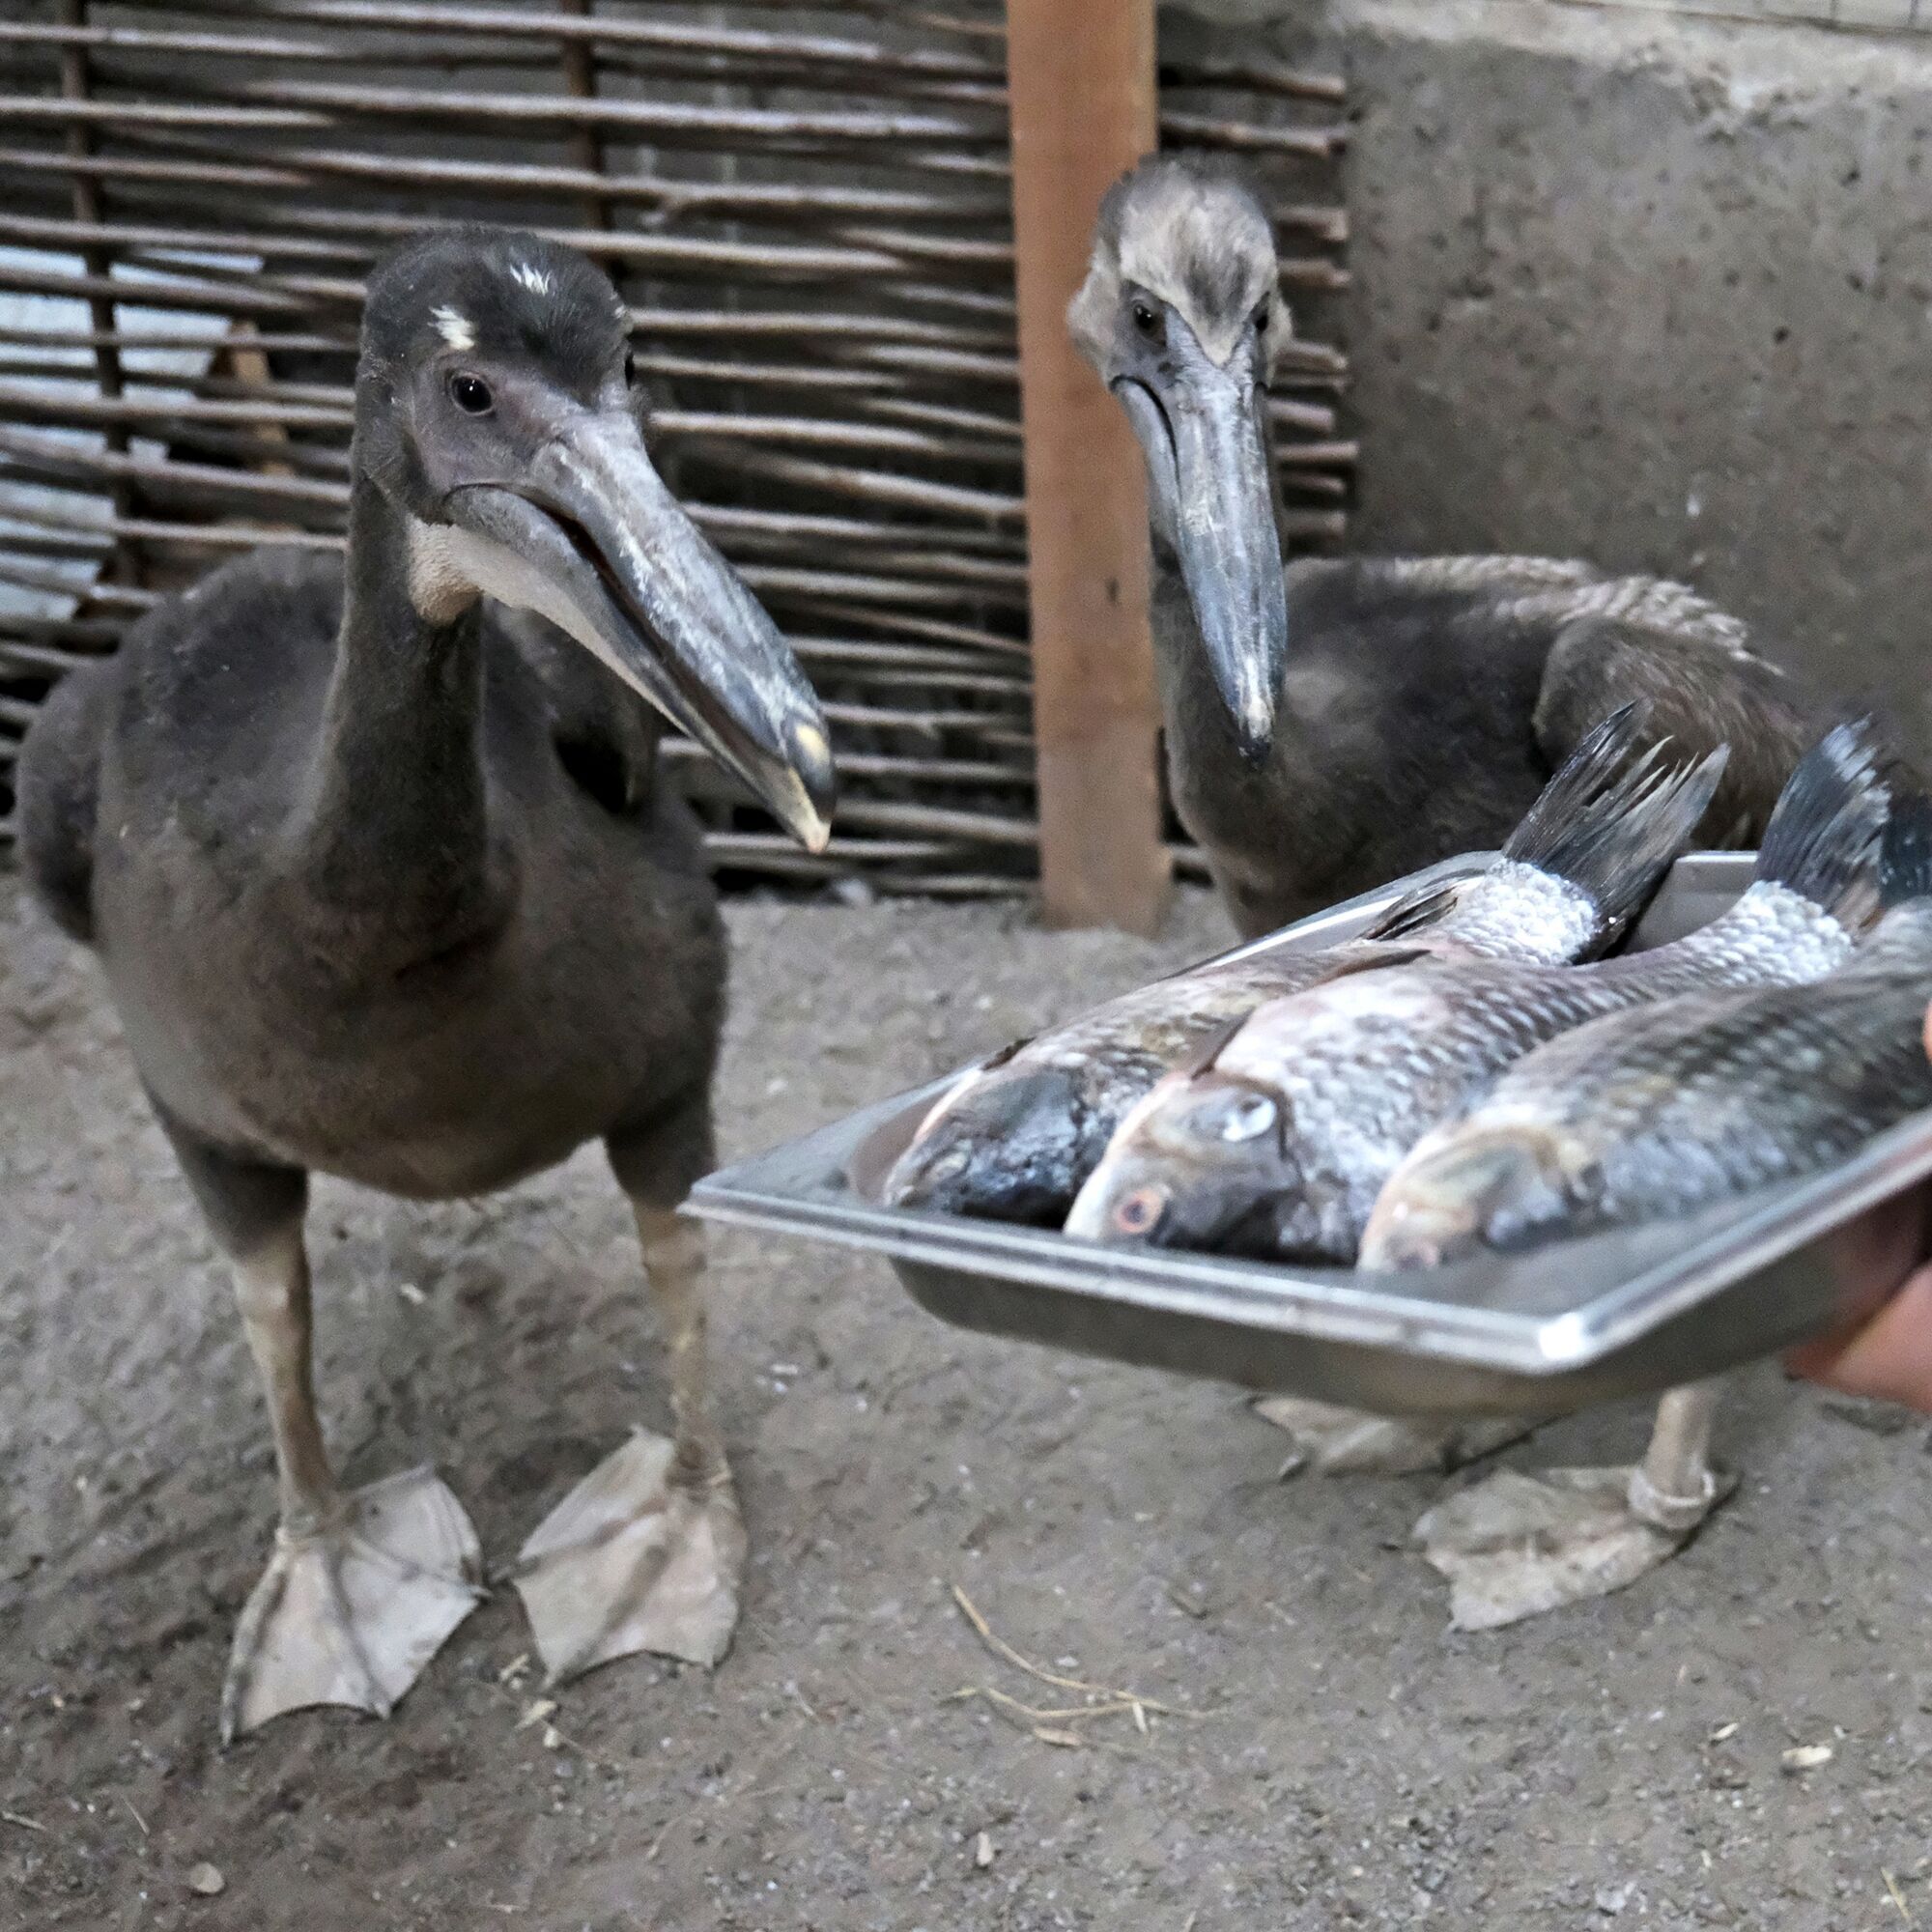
<point x="1622" y="1313"/>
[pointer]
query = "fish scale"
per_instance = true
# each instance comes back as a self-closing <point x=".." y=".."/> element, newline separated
<point x="1014" y="1137"/>
<point x="1663" y="1112"/>
<point x="1354" y="1103"/>
<point x="1281" y="1146"/>
<point x="1713" y="1095"/>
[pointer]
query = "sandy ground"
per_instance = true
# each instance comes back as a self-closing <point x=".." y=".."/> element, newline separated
<point x="1354" y="1763"/>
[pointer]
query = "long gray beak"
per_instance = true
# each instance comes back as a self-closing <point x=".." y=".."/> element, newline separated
<point x="599" y="546"/>
<point x="1213" y="502"/>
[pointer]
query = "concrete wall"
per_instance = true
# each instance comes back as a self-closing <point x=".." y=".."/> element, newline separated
<point x="1648" y="289"/>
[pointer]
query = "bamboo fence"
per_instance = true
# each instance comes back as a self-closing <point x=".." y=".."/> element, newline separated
<point x="808" y="211"/>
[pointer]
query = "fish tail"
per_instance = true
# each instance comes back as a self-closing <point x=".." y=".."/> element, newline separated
<point x="1829" y="827"/>
<point x="1615" y="817"/>
<point x="1905" y="865"/>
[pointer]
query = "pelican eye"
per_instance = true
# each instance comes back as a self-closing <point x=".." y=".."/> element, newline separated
<point x="1261" y="319"/>
<point x="1140" y="1213"/>
<point x="471" y="393"/>
<point x="630" y="370"/>
<point x="1147" y="319"/>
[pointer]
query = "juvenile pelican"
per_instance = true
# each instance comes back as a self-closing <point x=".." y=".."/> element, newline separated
<point x="1336" y="723"/>
<point x="1340" y="721"/>
<point x="384" y="887"/>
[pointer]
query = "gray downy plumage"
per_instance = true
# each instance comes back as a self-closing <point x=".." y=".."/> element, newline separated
<point x="1646" y="1115"/>
<point x="1015" y="1137"/>
<point x="1343" y="720"/>
<point x="1281" y="1146"/>
<point x="381" y="876"/>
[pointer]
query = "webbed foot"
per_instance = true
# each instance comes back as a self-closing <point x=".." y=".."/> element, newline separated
<point x="644" y="1553"/>
<point x="1516" y="1545"/>
<point x="1333" y="1441"/>
<point x="351" y="1612"/>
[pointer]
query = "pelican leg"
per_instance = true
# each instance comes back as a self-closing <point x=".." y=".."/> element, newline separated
<point x="1327" y="1440"/>
<point x="647" y="1553"/>
<point x="1516" y="1545"/>
<point x="364" y="1585"/>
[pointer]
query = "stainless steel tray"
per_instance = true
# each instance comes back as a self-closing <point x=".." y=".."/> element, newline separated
<point x="1616" y="1314"/>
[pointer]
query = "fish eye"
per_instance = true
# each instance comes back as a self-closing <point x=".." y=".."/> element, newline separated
<point x="471" y="393"/>
<point x="949" y="1165"/>
<point x="1147" y="318"/>
<point x="1140" y="1213"/>
<point x="1239" y="1117"/>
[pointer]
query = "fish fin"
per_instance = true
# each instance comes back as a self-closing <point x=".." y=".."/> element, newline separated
<point x="1906" y="867"/>
<point x="1616" y="816"/>
<point x="1827" y="827"/>
<point x="1207" y="1050"/>
<point x="1000" y="1055"/>
<point x="1348" y="965"/>
<point x="1600" y="754"/>
<point x="1426" y="906"/>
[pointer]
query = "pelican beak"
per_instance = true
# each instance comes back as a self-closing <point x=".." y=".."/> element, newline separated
<point x="597" y="544"/>
<point x="1212" y="497"/>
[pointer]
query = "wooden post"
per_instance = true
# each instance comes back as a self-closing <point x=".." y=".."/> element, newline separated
<point x="1081" y="82"/>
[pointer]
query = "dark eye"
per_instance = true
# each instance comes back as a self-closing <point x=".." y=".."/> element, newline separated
<point x="1147" y="318"/>
<point x="1261" y="319"/>
<point x="630" y="370"/>
<point x="471" y="393"/>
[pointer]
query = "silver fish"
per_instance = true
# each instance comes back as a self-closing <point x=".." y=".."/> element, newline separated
<point x="1280" y="1146"/>
<point x="1014" y="1139"/>
<point x="1663" y="1112"/>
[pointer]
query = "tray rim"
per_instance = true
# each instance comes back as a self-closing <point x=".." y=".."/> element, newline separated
<point x="1727" y="1244"/>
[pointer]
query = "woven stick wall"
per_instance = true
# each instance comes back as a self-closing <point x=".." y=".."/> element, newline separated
<point x="808" y="214"/>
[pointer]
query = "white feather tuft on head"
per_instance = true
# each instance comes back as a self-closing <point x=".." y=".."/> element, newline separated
<point x="454" y="327"/>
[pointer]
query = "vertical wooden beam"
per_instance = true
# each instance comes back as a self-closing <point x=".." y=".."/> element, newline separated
<point x="1081" y="83"/>
<point x="586" y="145"/>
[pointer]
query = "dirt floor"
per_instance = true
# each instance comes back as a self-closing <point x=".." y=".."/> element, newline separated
<point x="1350" y="1763"/>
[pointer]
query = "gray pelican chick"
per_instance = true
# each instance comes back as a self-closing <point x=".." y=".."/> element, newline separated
<point x="1335" y="724"/>
<point x="384" y="887"/>
<point x="1338" y="721"/>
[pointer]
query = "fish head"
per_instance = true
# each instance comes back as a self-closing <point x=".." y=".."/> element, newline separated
<point x="1465" y="1191"/>
<point x="1007" y="1144"/>
<point x="1200" y="1163"/>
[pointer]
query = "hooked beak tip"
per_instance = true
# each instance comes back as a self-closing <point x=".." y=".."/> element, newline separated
<point x="1254" y="729"/>
<point x="802" y="808"/>
<point x="801" y="815"/>
<point x="814" y="778"/>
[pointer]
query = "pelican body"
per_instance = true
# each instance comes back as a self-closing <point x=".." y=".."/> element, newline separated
<point x="1338" y="721"/>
